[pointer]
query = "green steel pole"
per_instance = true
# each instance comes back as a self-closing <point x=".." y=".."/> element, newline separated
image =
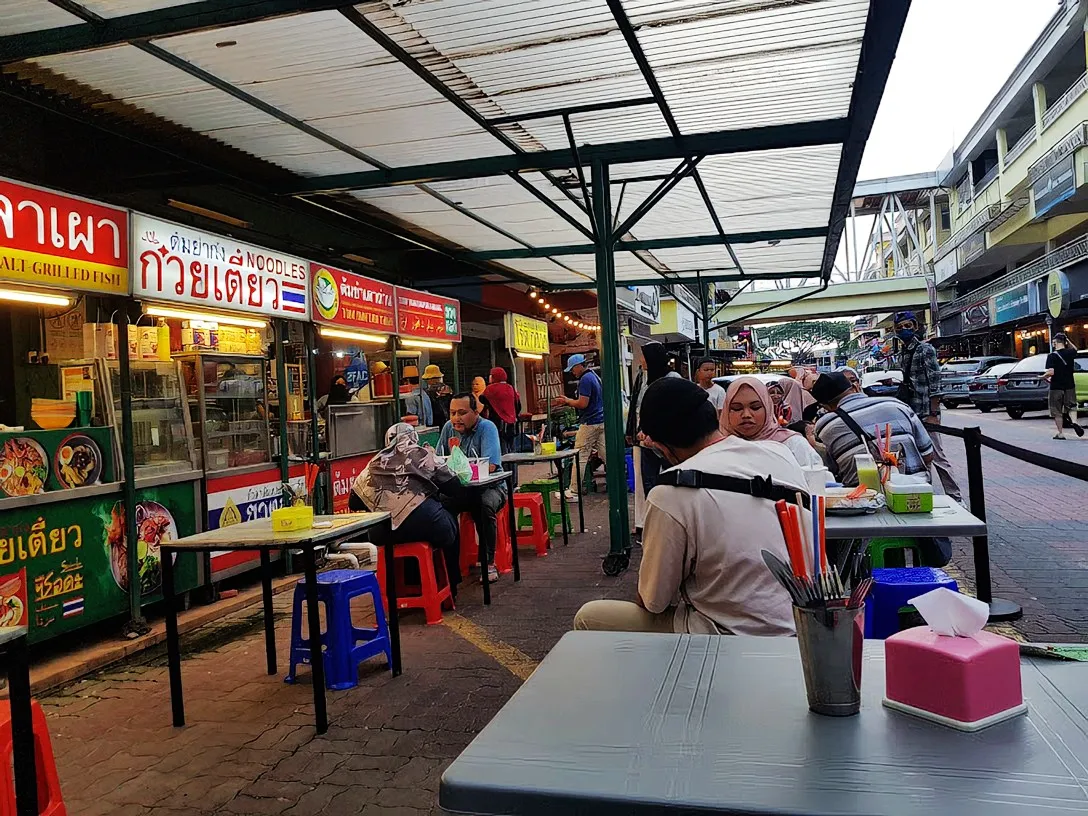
<point x="457" y="368"/>
<point x="128" y="460"/>
<point x="394" y="344"/>
<point x="704" y="302"/>
<point x="548" y="388"/>
<point x="315" y="442"/>
<point x="281" y="395"/>
<point x="618" y="525"/>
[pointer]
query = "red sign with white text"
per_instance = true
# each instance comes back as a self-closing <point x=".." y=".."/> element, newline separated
<point x="56" y="240"/>
<point x="343" y="298"/>
<point x="427" y="316"/>
<point x="342" y="475"/>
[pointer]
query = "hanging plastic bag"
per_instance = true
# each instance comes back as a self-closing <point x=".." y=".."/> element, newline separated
<point x="458" y="463"/>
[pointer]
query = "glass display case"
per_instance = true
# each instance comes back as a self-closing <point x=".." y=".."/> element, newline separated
<point x="162" y="433"/>
<point x="228" y="408"/>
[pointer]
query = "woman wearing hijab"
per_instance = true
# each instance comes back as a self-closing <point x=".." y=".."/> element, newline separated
<point x="404" y="479"/>
<point x="793" y="400"/>
<point x="647" y="462"/>
<point x="505" y="405"/>
<point x="749" y="414"/>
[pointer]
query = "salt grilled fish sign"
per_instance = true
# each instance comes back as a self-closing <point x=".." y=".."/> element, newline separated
<point x="176" y="263"/>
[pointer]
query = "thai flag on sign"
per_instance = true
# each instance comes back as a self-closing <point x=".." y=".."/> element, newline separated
<point x="293" y="297"/>
<point x="73" y="607"/>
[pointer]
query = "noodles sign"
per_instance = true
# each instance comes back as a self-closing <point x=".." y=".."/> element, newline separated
<point x="56" y="240"/>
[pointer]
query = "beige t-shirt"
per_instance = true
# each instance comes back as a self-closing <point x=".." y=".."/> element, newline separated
<point x="701" y="548"/>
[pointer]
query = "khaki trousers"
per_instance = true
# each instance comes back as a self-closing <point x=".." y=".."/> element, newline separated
<point x="621" y="616"/>
<point x="590" y="438"/>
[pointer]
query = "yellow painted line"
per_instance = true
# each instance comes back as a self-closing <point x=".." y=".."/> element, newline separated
<point x="513" y="660"/>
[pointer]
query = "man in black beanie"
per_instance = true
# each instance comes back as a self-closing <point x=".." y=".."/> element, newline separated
<point x="702" y="571"/>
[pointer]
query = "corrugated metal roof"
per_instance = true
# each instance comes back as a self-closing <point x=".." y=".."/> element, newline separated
<point x="721" y="64"/>
<point x="21" y="16"/>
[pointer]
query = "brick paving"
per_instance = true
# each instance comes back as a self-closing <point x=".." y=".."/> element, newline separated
<point x="250" y="746"/>
<point x="1038" y="525"/>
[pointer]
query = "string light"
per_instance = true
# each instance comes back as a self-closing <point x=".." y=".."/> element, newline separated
<point x="570" y="321"/>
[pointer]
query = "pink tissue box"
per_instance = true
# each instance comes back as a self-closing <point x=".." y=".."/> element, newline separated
<point x="967" y="683"/>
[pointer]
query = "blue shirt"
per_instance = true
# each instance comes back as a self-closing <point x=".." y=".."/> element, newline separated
<point x="479" y="443"/>
<point x="420" y="405"/>
<point x="589" y="385"/>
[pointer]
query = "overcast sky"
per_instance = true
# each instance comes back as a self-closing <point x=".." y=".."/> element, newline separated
<point x="953" y="58"/>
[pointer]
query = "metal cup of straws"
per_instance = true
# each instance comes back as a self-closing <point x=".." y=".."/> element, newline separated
<point x="831" y="640"/>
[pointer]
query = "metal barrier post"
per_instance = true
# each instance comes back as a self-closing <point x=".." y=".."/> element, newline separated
<point x="1000" y="610"/>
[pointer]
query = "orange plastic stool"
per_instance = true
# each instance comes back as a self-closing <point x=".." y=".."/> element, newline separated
<point x="470" y="552"/>
<point x="537" y="535"/>
<point x="432" y="593"/>
<point x="50" y="802"/>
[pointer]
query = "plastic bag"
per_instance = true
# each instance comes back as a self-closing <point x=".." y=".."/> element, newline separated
<point x="457" y="462"/>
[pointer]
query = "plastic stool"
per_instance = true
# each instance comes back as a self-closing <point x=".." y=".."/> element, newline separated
<point x="892" y="589"/>
<point x="547" y="488"/>
<point x="470" y="545"/>
<point x="537" y="535"/>
<point x="50" y="802"/>
<point x="629" y="463"/>
<point x="880" y="547"/>
<point x="344" y="645"/>
<point x="433" y="591"/>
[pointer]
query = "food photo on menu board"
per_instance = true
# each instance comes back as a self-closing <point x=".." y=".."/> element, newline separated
<point x="33" y="462"/>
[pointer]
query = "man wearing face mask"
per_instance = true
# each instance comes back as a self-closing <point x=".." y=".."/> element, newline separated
<point x="702" y="571"/>
<point x="921" y="390"/>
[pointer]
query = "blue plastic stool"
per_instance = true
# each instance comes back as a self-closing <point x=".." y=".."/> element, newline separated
<point x="629" y="461"/>
<point x="344" y="645"/>
<point x="892" y="589"/>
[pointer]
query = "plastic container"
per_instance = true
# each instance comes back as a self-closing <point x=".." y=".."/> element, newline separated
<point x="288" y="519"/>
<point x="909" y="498"/>
<point x="547" y="448"/>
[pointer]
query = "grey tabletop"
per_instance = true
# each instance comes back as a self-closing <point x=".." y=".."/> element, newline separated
<point x="616" y="723"/>
<point x="947" y="519"/>
<point x="253" y="535"/>
<point x="529" y="458"/>
<point x="489" y="479"/>
<point x="10" y="633"/>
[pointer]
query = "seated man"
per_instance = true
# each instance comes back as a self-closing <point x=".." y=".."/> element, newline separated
<point x="843" y="442"/>
<point x="702" y="571"/>
<point x="478" y="438"/>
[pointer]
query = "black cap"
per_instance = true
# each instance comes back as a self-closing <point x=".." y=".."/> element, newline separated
<point x="829" y="387"/>
<point x="667" y="410"/>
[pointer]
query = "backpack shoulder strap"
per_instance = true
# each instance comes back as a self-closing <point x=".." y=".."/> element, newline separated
<point x="862" y="436"/>
<point x="758" y="486"/>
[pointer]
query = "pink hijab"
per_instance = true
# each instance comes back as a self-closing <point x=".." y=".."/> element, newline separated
<point x="771" y="430"/>
<point x="794" y="396"/>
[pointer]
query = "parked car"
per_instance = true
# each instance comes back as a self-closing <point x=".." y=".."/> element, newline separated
<point x="881" y="383"/>
<point x="1023" y="388"/>
<point x="982" y="389"/>
<point x="956" y="376"/>
<point x="766" y="379"/>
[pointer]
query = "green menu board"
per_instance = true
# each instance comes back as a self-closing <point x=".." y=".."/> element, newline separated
<point x="70" y="557"/>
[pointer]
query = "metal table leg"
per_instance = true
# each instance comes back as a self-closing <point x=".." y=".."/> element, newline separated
<point x="269" y="625"/>
<point x="562" y="502"/>
<point x="581" y="507"/>
<point x="317" y="657"/>
<point x="392" y="614"/>
<point x="510" y="511"/>
<point x="173" y="648"/>
<point x="22" y="728"/>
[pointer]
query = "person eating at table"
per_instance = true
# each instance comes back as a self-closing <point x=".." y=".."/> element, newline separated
<point x="749" y="414"/>
<point x="478" y="438"/>
<point x="404" y="479"/>
<point x="702" y="571"/>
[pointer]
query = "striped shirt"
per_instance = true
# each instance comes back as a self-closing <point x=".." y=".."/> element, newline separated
<point x="843" y="444"/>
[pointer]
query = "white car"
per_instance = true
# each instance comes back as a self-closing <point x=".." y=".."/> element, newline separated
<point x="881" y="383"/>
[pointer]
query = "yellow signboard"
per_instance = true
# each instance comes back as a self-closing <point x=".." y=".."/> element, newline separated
<point x="526" y="335"/>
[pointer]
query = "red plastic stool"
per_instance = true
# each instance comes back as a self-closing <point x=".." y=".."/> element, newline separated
<point x="50" y="802"/>
<point x="537" y="535"/>
<point x="470" y="552"/>
<point x="433" y="591"/>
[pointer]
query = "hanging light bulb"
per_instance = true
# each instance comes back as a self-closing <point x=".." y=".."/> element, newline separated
<point x="555" y="310"/>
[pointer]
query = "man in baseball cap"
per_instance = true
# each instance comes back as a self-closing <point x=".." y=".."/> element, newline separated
<point x="590" y="407"/>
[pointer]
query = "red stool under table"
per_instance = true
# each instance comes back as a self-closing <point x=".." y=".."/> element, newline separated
<point x="432" y="593"/>
<point x="50" y="802"/>
<point x="470" y="552"/>
<point x="537" y="536"/>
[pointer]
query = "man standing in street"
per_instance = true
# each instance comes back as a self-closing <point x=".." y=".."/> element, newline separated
<point x="705" y="369"/>
<point x="921" y="390"/>
<point x="590" y="407"/>
<point x="1060" y="365"/>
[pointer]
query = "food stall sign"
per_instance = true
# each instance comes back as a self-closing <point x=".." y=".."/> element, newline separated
<point x="427" y="316"/>
<point x="55" y="240"/>
<point x="235" y="499"/>
<point x="343" y="298"/>
<point x="342" y="475"/>
<point x="185" y="265"/>
<point x="1057" y="293"/>
<point x="526" y="334"/>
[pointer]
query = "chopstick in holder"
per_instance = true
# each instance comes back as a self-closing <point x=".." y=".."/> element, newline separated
<point x="821" y="515"/>
<point x="789" y="533"/>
